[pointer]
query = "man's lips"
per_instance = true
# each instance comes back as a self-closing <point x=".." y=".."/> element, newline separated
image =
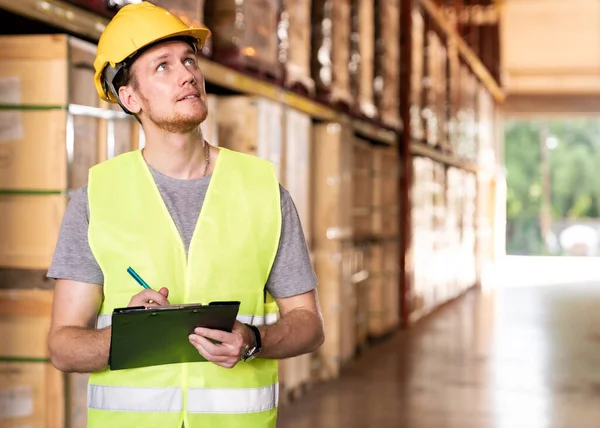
<point x="189" y="96"/>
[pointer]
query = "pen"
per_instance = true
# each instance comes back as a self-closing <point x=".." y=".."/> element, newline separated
<point x="138" y="278"/>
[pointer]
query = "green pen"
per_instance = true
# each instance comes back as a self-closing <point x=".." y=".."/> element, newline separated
<point x="138" y="278"/>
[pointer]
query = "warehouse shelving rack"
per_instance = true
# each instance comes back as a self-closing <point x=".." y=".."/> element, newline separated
<point x="89" y="26"/>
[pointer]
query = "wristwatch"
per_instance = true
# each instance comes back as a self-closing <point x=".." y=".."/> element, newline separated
<point x="253" y="351"/>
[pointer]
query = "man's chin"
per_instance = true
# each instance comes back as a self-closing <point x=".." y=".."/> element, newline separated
<point x="183" y="124"/>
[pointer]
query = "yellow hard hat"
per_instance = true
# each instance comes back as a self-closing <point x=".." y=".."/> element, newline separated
<point x="134" y="27"/>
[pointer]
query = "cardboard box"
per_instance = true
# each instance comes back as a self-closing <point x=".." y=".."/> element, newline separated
<point x="298" y="143"/>
<point x="29" y="229"/>
<point x="332" y="185"/>
<point x="252" y="125"/>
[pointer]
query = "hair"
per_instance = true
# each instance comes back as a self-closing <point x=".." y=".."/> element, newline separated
<point x="125" y="76"/>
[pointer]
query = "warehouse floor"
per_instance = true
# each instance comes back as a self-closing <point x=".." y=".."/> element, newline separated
<point x="514" y="357"/>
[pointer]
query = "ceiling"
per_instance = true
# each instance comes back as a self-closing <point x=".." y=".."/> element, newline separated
<point x="550" y="55"/>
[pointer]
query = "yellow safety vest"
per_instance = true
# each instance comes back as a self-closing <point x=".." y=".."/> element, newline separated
<point x="230" y="257"/>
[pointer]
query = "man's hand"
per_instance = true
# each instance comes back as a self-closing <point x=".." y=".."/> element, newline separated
<point x="231" y="349"/>
<point x="150" y="298"/>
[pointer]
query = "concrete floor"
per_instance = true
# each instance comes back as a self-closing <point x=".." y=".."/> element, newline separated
<point x="513" y="357"/>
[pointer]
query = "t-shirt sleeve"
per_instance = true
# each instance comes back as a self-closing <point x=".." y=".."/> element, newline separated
<point x="73" y="258"/>
<point x="292" y="272"/>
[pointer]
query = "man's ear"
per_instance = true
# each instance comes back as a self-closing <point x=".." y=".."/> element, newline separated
<point x="130" y="99"/>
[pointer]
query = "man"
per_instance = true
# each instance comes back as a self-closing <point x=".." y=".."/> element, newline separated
<point x="199" y="224"/>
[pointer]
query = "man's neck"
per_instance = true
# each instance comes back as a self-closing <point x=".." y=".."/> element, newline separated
<point x="179" y="156"/>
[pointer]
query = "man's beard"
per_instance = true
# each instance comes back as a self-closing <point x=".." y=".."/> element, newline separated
<point x="178" y="123"/>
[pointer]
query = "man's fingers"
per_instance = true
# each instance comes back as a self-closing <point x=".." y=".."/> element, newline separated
<point x="209" y="350"/>
<point x="149" y="298"/>
<point x="234" y="339"/>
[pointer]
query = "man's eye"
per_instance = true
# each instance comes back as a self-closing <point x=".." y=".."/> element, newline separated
<point x="161" y="67"/>
<point x="190" y="61"/>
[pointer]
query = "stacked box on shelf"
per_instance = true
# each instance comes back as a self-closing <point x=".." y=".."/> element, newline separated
<point x="435" y="91"/>
<point x="31" y="389"/>
<point x="294" y="45"/>
<point x="390" y="208"/>
<point x="469" y="230"/>
<point x="422" y="212"/>
<point x="244" y="35"/>
<point x="384" y="278"/>
<point x="467" y="144"/>
<point x="361" y="279"/>
<point x="210" y="126"/>
<point x="454" y="98"/>
<point x="486" y="159"/>
<point x="376" y="321"/>
<point x="362" y="193"/>
<point x="454" y="258"/>
<point x="439" y="266"/>
<point x="362" y="231"/>
<point x="330" y="51"/>
<point x="297" y="180"/>
<point x="362" y="57"/>
<point x="189" y="11"/>
<point x="333" y="243"/>
<point x="417" y="131"/>
<point x="66" y="116"/>
<point x="355" y="62"/>
<point x="252" y="125"/>
<point x="391" y="284"/>
<point x="387" y="58"/>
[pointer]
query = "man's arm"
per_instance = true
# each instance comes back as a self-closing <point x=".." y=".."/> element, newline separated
<point x="73" y="342"/>
<point x="75" y="345"/>
<point x="298" y="331"/>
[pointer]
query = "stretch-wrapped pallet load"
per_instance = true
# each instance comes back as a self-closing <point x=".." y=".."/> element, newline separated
<point x="244" y="34"/>
<point x="417" y="131"/>
<point x="333" y="246"/>
<point x="362" y="57"/>
<point x="189" y="11"/>
<point x="76" y="128"/>
<point x="294" y="44"/>
<point x="252" y="125"/>
<point x="387" y="61"/>
<point x="330" y="51"/>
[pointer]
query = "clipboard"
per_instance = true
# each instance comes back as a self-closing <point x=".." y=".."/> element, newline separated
<point x="142" y="337"/>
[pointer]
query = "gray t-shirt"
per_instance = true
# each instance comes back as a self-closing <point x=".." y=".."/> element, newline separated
<point x="291" y="274"/>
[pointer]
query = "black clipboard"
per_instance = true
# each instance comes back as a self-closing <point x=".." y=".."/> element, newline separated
<point x="142" y="337"/>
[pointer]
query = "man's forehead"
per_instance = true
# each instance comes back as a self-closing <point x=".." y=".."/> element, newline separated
<point x="171" y="47"/>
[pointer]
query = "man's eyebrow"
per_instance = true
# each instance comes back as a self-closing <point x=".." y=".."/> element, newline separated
<point x="161" y="57"/>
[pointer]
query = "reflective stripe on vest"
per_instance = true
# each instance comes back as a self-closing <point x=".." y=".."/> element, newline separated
<point x="202" y="400"/>
<point x="125" y="399"/>
<point x="105" y="320"/>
